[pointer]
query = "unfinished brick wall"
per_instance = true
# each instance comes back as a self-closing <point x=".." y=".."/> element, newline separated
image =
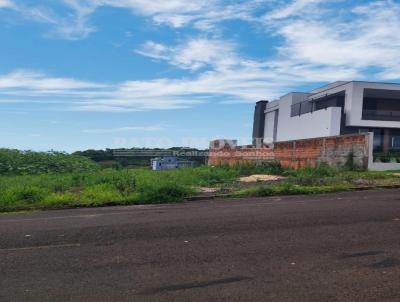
<point x="300" y="153"/>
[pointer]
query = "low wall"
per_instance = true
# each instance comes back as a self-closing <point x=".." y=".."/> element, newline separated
<point x="334" y="151"/>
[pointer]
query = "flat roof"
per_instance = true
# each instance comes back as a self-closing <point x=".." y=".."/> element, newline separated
<point x="331" y="86"/>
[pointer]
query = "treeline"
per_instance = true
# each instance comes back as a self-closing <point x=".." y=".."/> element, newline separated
<point x="16" y="162"/>
<point x="140" y="157"/>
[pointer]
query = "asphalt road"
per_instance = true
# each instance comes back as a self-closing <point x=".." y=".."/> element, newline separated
<point x="335" y="247"/>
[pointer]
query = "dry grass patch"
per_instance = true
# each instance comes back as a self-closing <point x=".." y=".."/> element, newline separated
<point x="260" y="177"/>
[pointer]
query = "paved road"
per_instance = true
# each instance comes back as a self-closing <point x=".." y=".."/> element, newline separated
<point x="336" y="247"/>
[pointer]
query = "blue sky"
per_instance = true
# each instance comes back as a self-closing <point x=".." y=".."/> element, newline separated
<point x="79" y="74"/>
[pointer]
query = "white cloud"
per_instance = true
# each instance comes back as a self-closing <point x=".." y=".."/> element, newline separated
<point x="321" y="47"/>
<point x="247" y="81"/>
<point x="193" y="54"/>
<point x="360" y="38"/>
<point x="71" y="26"/>
<point x="6" y="4"/>
<point x="37" y="81"/>
<point x="123" y="129"/>
<point x="293" y="9"/>
<point x="74" y="23"/>
<point x="154" y="50"/>
<point x="76" y="27"/>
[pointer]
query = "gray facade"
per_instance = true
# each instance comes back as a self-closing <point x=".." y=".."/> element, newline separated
<point x="335" y="109"/>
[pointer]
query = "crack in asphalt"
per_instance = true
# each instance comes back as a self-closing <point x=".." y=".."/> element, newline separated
<point x="185" y="286"/>
<point x="361" y="254"/>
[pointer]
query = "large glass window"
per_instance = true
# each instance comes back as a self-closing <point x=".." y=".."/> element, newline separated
<point x="382" y="105"/>
<point x="394" y="139"/>
<point x="378" y="139"/>
<point x="335" y="100"/>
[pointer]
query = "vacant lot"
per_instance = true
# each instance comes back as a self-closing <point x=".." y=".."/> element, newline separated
<point x="141" y="186"/>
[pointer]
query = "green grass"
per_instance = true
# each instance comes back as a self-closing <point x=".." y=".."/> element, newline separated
<point x="290" y="189"/>
<point x="106" y="187"/>
<point x="142" y="186"/>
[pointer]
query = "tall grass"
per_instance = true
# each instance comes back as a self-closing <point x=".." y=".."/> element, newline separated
<point x="116" y="186"/>
<point x="142" y="186"/>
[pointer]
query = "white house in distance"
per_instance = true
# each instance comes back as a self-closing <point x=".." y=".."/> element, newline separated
<point x="335" y="109"/>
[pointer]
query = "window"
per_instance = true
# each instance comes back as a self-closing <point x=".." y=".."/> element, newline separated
<point x="382" y="105"/>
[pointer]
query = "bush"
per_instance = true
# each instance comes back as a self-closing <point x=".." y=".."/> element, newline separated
<point x="265" y="167"/>
<point x="382" y="157"/>
<point x="168" y="192"/>
<point x="272" y="167"/>
<point x="29" y="195"/>
<point x="15" y="162"/>
<point x="310" y="176"/>
<point x="125" y="183"/>
<point x="101" y="194"/>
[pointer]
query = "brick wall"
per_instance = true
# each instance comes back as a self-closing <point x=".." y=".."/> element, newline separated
<point x="295" y="154"/>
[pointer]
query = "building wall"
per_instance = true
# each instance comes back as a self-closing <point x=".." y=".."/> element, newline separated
<point x="316" y="124"/>
<point x="310" y="125"/>
<point x="334" y="151"/>
<point x="240" y="155"/>
<point x="357" y="105"/>
<point x="354" y="93"/>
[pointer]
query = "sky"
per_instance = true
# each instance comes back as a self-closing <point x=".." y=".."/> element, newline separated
<point x="94" y="74"/>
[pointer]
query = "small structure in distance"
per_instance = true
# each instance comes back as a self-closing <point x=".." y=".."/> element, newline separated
<point x="169" y="163"/>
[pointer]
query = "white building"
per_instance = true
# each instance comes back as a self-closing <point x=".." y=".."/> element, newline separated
<point x="335" y="109"/>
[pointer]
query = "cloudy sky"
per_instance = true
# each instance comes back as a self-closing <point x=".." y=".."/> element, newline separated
<point x="78" y="74"/>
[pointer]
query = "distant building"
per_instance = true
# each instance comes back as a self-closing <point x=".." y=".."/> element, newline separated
<point x="170" y="163"/>
<point x="335" y="109"/>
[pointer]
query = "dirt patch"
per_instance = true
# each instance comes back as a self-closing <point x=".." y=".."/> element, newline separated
<point x="260" y="177"/>
<point x="207" y="190"/>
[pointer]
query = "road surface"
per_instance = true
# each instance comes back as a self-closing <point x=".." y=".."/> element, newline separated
<point x="334" y="247"/>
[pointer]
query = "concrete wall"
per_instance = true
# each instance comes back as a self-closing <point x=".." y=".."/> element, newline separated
<point x="334" y="151"/>
<point x="357" y="104"/>
<point x="319" y="123"/>
<point x="354" y="93"/>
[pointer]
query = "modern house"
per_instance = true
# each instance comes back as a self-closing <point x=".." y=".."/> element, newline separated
<point x="335" y="109"/>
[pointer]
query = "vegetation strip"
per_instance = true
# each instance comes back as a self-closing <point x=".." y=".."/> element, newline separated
<point x="68" y="181"/>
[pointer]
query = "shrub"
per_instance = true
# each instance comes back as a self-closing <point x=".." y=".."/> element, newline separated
<point x="100" y="194"/>
<point x="382" y="157"/>
<point x="15" y="162"/>
<point x="167" y="192"/>
<point x="59" y="200"/>
<point x="125" y="183"/>
<point x="272" y="167"/>
<point x="28" y="195"/>
<point x="310" y="176"/>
